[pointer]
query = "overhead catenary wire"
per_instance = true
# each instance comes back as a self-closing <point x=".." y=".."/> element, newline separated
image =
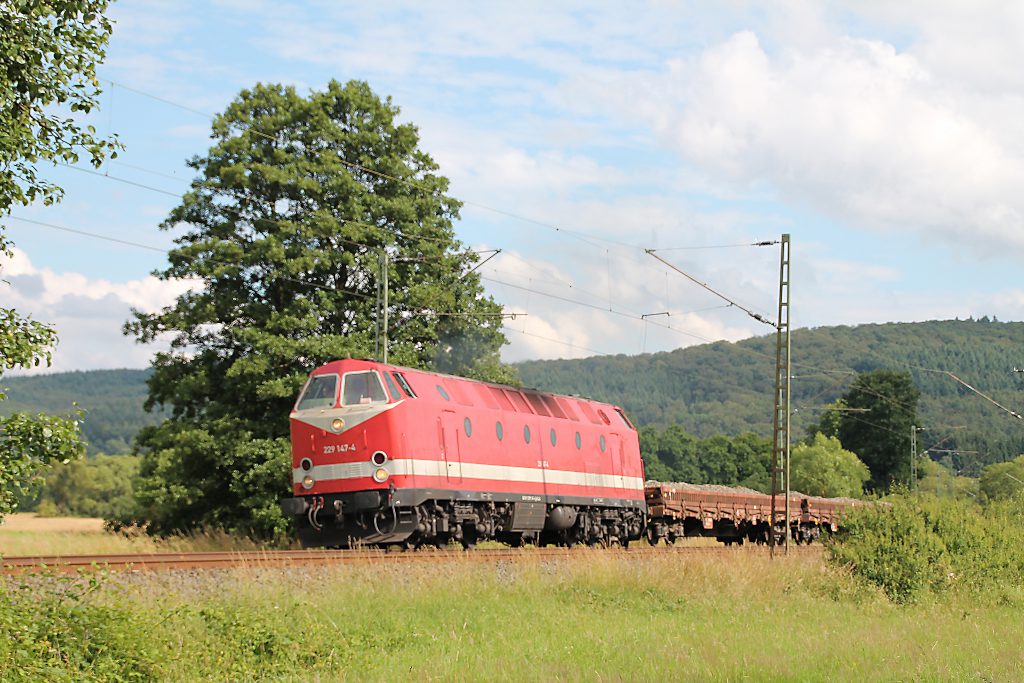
<point x="756" y="316"/>
<point x="762" y="243"/>
<point x="415" y="184"/>
<point x="988" y="398"/>
<point x="221" y="262"/>
<point x="824" y="371"/>
<point x="605" y="309"/>
<point x="584" y="236"/>
<point x="214" y="261"/>
<point x="625" y="314"/>
<point x="231" y="210"/>
<point x="390" y="177"/>
<point x="238" y="213"/>
<point x="556" y="341"/>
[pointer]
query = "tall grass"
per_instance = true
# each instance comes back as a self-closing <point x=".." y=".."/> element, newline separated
<point x="594" y="616"/>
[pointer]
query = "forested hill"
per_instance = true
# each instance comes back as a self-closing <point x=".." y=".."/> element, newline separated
<point x="111" y="399"/>
<point x="727" y="387"/>
<point x="720" y="388"/>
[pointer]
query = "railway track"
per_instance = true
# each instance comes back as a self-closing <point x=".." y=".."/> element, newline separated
<point x="285" y="558"/>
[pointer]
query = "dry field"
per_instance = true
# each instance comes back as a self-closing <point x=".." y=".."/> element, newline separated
<point x="24" y="533"/>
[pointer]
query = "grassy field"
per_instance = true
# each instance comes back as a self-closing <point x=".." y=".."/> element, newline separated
<point x="602" y="616"/>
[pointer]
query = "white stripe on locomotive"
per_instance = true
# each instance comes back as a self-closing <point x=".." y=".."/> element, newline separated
<point x="438" y="468"/>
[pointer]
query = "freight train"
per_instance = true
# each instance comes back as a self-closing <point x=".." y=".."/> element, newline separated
<point x="385" y="455"/>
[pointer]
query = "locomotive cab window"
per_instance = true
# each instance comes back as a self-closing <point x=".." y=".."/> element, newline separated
<point x="321" y="392"/>
<point x="400" y="378"/>
<point x="392" y="388"/>
<point x="362" y="388"/>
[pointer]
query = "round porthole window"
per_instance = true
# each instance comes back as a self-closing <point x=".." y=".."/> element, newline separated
<point x="579" y="441"/>
<point x="444" y="394"/>
<point x="499" y="430"/>
<point x="604" y="445"/>
<point x="468" y="426"/>
<point x="554" y="437"/>
<point x="526" y="433"/>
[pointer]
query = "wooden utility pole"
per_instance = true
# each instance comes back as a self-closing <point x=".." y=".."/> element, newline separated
<point x="781" y="422"/>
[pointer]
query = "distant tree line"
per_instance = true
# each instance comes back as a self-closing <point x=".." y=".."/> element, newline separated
<point x="726" y="388"/>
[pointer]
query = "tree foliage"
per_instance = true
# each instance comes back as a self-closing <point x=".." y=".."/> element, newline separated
<point x="28" y="444"/>
<point x="286" y="228"/>
<point x="93" y="487"/>
<point x="48" y="57"/>
<point x="824" y="468"/>
<point x="1002" y="480"/>
<point x="829" y="421"/>
<point x="941" y="482"/>
<point x="881" y="409"/>
<point x="673" y="454"/>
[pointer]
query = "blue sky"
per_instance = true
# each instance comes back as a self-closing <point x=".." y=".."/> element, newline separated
<point x="886" y="138"/>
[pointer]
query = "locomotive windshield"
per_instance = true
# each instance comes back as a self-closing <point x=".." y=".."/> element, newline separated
<point x="360" y="388"/>
<point x="321" y="392"/>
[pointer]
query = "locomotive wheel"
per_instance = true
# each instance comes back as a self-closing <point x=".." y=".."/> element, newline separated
<point x="469" y="539"/>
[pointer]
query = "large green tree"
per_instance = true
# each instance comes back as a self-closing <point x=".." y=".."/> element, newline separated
<point x="295" y="209"/>
<point x="48" y="57"/>
<point x="881" y="407"/>
<point x="824" y="468"/>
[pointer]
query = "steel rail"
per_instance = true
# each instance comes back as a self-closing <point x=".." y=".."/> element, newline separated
<point x="284" y="558"/>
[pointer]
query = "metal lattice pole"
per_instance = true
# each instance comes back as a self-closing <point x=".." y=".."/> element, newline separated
<point x="781" y="422"/>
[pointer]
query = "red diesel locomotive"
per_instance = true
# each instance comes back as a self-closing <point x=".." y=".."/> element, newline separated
<point x="389" y="455"/>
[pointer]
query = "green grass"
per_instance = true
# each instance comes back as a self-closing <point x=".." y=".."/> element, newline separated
<point x="597" y="616"/>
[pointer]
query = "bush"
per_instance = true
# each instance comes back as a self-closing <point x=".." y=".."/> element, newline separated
<point x="911" y="546"/>
<point x="54" y="632"/>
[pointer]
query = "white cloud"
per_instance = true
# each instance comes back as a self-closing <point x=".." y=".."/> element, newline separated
<point x="88" y="313"/>
<point x="855" y="128"/>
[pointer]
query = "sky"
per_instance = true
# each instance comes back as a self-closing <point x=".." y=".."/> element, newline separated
<point x="886" y="138"/>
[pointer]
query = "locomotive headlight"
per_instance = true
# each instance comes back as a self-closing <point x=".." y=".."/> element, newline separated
<point x="380" y="475"/>
<point x="307" y="482"/>
<point x="337" y="424"/>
